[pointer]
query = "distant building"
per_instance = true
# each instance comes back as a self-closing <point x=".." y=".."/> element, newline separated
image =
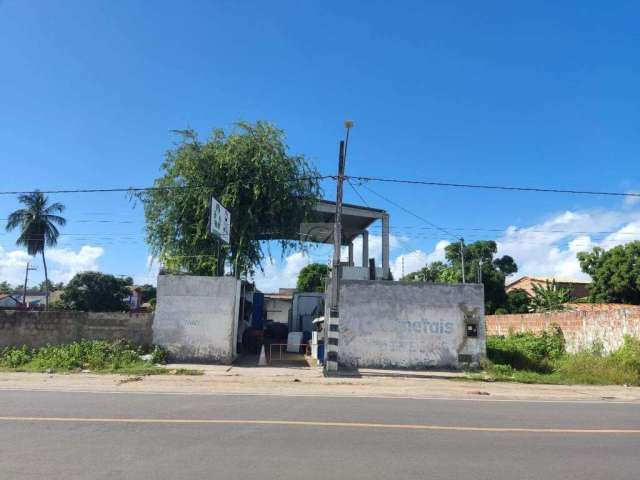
<point x="577" y="288"/>
<point x="278" y="305"/>
<point x="34" y="299"/>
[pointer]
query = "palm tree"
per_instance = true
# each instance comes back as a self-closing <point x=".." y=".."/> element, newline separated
<point x="37" y="222"/>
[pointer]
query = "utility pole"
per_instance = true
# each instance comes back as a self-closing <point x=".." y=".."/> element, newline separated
<point x="26" y="278"/>
<point x="462" y="257"/>
<point x="480" y="271"/>
<point x="333" y="323"/>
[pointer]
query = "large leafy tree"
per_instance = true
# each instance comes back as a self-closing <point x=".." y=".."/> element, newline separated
<point x="480" y="255"/>
<point x="268" y="192"/>
<point x="312" y="278"/>
<point x="5" y="287"/>
<point x="96" y="292"/>
<point x="38" y="221"/>
<point x="615" y="273"/>
<point x="477" y="256"/>
<point x="432" y="272"/>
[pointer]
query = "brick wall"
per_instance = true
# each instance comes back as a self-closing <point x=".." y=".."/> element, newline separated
<point x="36" y="329"/>
<point x="582" y="325"/>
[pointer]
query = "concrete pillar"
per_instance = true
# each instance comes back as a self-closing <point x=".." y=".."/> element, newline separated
<point x="351" y="254"/>
<point x="365" y="249"/>
<point x="385" y="246"/>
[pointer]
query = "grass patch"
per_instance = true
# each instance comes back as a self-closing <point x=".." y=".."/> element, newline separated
<point x="531" y="358"/>
<point x="96" y="356"/>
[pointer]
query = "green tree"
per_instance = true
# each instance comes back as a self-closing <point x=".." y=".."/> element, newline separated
<point x="477" y="256"/>
<point x="615" y="273"/>
<point x="518" y="301"/>
<point x="96" y="292"/>
<point x="50" y="286"/>
<point x="38" y="222"/>
<point x="147" y="292"/>
<point x="312" y="277"/>
<point x="549" y="298"/>
<point x="429" y="273"/>
<point x="5" y="288"/>
<point x="267" y="191"/>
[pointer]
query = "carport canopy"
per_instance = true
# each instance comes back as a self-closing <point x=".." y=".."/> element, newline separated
<point x="356" y="219"/>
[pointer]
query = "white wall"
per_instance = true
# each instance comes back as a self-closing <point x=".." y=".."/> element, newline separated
<point x="278" y="309"/>
<point x="195" y="317"/>
<point x="393" y="324"/>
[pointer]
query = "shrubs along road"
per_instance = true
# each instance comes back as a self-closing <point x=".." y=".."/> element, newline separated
<point x="96" y="356"/>
<point x="542" y="358"/>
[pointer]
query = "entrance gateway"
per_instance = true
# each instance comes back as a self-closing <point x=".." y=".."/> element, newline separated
<point x="199" y="318"/>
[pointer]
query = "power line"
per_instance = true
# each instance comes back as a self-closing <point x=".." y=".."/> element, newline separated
<point x="357" y="192"/>
<point x="136" y="189"/>
<point x="410" y="212"/>
<point x="492" y="187"/>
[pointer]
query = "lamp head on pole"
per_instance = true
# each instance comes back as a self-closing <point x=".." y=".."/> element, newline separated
<point x="348" y="124"/>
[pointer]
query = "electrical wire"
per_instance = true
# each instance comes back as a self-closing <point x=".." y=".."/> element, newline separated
<point x="443" y="230"/>
<point x="493" y="187"/>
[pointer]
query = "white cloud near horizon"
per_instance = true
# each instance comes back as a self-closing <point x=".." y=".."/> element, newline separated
<point x="549" y="248"/>
<point x="62" y="263"/>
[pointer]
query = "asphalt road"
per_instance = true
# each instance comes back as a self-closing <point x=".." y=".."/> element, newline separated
<point x="50" y="435"/>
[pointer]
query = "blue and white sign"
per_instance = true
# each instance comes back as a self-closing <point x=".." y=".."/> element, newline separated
<point x="220" y="221"/>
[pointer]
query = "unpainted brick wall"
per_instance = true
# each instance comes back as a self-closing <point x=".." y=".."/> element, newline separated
<point x="583" y="325"/>
<point x="36" y="329"/>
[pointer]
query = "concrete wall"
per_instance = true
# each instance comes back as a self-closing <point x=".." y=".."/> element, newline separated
<point x="581" y="326"/>
<point x="393" y="324"/>
<point x="196" y="317"/>
<point x="36" y="329"/>
<point x="278" y="309"/>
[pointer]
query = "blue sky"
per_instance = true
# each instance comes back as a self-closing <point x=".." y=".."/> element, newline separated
<point x="542" y="94"/>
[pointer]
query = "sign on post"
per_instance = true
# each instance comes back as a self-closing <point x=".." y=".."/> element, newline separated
<point x="220" y="221"/>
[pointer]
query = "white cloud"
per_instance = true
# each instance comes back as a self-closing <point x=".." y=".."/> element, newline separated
<point x="282" y="275"/>
<point x="415" y="260"/>
<point x="63" y="264"/>
<point x="375" y="247"/>
<point x="150" y="276"/>
<point x="549" y="248"/>
<point x="631" y="200"/>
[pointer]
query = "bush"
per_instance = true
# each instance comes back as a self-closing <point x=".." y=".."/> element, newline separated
<point x="92" y="355"/>
<point x="530" y="358"/>
<point x="158" y="355"/>
<point x="12" y="357"/>
<point x="527" y="351"/>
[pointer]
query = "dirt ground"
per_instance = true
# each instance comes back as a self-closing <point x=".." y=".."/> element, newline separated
<point x="299" y="380"/>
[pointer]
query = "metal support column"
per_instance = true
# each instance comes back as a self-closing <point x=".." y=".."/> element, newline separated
<point x="365" y="249"/>
<point x="385" y="246"/>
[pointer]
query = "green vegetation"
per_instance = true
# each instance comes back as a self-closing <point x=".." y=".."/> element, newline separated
<point x="478" y="257"/>
<point x="96" y="292"/>
<point x="531" y="358"/>
<point x="96" y="356"/>
<point x="38" y="223"/>
<point x="615" y="273"/>
<point x="550" y="298"/>
<point x="267" y="190"/>
<point x="312" y="278"/>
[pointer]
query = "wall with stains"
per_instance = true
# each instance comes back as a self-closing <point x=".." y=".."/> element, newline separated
<point x="410" y="325"/>
<point x="583" y="325"/>
<point x="37" y="329"/>
<point x="195" y="317"/>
